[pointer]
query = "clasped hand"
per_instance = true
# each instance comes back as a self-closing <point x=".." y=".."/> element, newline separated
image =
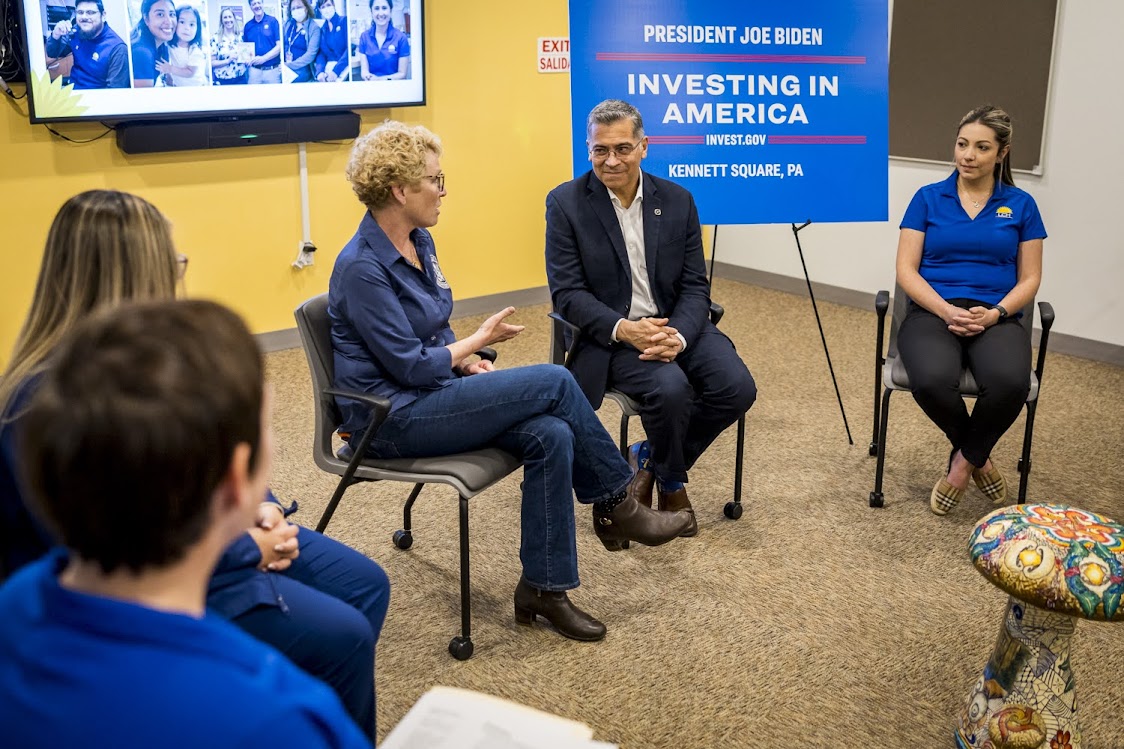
<point x="276" y="538"/>
<point x="969" y="322"/>
<point x="652" y="337"/>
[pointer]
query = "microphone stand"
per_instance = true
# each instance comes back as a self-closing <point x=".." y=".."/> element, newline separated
<point x="796" y="235"/>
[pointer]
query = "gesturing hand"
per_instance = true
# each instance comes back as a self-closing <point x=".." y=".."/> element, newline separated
<point x="478" y="367"/>
<point x="495" y="330"/>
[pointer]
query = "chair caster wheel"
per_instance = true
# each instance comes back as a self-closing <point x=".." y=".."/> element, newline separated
<point x="732" y="510"/>
<point x="403" y="539"/>
<point x="873" y="450"/>
<point x="461" y="648"/>
<point x="876" y="499"/>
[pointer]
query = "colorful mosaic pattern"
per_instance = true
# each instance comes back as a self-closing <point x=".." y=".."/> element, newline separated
<point x="1054" y="557"/>
<point x="1026" y="694"/>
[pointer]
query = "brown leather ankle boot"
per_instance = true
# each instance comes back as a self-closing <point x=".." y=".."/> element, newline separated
<point x="676" y="501"/>
<point x="640" y="488"/>
<point x="631" y="521"/>
<point x="556" y="608"/>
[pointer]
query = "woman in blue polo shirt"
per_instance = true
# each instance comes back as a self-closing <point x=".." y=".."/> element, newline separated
<point x="384" y="51"/>
<point x="969" y="258"/>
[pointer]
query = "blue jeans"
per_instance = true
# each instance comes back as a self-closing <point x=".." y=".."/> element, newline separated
<point x="335" y="603"/>
<point x="540" y="415"/>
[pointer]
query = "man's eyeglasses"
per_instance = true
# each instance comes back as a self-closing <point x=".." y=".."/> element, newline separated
<point x="621" y="151"/>
<point x="181" y="266"/>
<point x="95" y="12"/>
<point x="438" y="179"/>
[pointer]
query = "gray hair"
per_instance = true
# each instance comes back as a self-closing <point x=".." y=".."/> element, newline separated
<point x="614" y="110"/>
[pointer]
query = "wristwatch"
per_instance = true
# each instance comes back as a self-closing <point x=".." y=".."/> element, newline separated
<point x="1002" y="311"/>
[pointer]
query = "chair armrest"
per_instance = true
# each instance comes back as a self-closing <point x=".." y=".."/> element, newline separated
<point x="487" y="353"/>
<point x="1046" y="313"/>
<point x="716" y="313"/>
<point x="882" y="302"/>
<point x="380" y="409"/>
<point x="560" y="353"/>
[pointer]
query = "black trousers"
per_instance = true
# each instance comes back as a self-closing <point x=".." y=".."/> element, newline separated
<point x="687" y="403"/>
<point x="999" y="359"/>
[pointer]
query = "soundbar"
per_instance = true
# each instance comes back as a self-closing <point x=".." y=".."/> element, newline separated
<point x="190" y="135"/>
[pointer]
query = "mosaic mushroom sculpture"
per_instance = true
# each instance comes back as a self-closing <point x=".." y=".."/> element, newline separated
<point x="1059" y="564"/>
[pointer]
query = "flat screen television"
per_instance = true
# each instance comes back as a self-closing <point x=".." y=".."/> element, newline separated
<point x="128" y="60"/>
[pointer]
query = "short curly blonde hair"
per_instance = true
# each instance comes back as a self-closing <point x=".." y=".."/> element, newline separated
<point x="392" y="154"/>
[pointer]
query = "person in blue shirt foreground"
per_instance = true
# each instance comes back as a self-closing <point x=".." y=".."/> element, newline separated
<point x="390" y="303"/>
<point x="319" y="602"/>
<point x="148" y="450"/>
<point x="969" y="258"/>
<point x="101" y="59"/>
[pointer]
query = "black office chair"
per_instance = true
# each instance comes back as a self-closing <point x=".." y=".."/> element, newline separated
<point x="890" y="375"/>
<point x="469" y="473"/>
<point x="564" y="337"/>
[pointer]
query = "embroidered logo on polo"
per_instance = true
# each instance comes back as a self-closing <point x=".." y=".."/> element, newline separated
<point x="1004" y="212"/>
<point x="438" y="276"/>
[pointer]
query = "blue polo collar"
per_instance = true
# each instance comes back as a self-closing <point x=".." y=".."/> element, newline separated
<point x="948" y="187"/>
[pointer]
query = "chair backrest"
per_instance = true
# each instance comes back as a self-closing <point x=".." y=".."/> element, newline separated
<point x="901" y="307"/>
<point x="315" y="328"/>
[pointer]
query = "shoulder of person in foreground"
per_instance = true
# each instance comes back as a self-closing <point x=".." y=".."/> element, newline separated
<point x="147" y="678"/>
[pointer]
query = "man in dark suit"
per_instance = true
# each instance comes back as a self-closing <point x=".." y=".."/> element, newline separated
<point x="625" y="264"/>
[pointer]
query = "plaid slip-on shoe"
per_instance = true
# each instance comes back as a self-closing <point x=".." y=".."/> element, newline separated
<point x="945" y="496"/>
<point x="991" y="483"/>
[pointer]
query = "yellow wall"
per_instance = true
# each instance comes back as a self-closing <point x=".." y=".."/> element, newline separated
<point x="236" y="213"/>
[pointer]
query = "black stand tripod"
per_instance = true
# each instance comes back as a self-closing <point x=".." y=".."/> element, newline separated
<point x="796" y="235"/>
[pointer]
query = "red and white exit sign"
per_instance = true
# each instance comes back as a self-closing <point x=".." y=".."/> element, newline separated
<point x="553" y="54"/>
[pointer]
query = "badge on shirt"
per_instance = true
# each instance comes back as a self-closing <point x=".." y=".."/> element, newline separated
<point x="391" y="49"/>
<point x="1004" y="212"/>
<point x="438" y="276"/>
<point x="95" y="57"/>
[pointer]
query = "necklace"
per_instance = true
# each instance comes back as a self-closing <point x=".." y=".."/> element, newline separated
<point x="968" y="195"/>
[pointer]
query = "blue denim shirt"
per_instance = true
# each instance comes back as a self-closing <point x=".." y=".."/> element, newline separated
<point x="390" y="322"/>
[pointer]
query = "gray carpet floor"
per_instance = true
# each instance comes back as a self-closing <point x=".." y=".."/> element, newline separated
<point x="813" y="621"/>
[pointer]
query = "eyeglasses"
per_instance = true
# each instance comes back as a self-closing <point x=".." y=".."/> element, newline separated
<point x="181" y="266"/>
<point x="438" y="179"/>
<point x="94" y="12"/>
<point x="621" y="151"/>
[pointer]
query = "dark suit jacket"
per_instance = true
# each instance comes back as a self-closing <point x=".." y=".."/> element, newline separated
<point x="590" y="279"/>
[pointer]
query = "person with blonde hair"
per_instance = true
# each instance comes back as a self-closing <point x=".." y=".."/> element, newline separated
<point x="390" y="303"/>
<point x="970" y="258"/>
<point x="314" y="599"/>
<point x="227" y="67"/>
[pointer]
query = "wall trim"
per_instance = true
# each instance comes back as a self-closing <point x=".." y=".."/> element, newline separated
<point x="1060" y="343"/>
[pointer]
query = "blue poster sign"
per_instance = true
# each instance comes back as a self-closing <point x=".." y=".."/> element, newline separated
<point x="768" y="112"/>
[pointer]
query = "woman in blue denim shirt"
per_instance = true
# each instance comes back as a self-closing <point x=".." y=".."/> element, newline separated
<point x="390" y="305"/>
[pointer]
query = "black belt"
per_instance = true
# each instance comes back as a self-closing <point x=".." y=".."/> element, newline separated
<point x="267" y="67"/>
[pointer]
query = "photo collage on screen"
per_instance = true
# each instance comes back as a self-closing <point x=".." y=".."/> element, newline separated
<point x="104" y="44"/>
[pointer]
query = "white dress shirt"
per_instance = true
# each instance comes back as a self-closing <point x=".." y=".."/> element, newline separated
<point x="631" y="221"/>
